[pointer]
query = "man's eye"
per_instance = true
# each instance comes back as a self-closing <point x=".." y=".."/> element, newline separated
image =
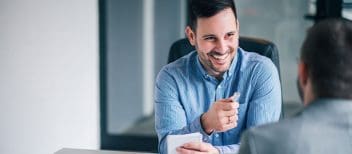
<point x="230" y="34"/>
<point x="209" y="38"/>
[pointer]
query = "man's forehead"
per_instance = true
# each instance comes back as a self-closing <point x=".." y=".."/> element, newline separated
<point x="214" y="29"/>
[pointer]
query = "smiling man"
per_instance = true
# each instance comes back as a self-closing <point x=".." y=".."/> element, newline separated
<point x="195" y="93"/>
<point x="215" y="41"/>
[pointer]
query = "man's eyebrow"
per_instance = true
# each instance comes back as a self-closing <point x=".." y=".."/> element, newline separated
<point x="234" y="31"/>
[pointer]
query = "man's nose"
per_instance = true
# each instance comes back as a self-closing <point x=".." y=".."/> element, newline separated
<point x="221" y="46"/>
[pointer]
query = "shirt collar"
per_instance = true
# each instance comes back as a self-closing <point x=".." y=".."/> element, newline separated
<point x="227" y="74"/>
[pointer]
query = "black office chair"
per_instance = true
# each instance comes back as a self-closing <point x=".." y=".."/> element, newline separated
<point x="260" y="46"/>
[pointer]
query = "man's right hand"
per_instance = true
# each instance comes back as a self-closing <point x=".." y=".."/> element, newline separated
<point x="221" y="117"/>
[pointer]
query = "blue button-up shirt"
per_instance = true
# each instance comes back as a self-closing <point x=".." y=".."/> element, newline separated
<point x="184" y="91"/>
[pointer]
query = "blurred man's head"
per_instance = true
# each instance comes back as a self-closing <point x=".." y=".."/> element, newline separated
<point x="325" y="69"/>
<point x="213" y="30"/>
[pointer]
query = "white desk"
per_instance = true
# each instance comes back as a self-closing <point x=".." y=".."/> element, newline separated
<point x="81" y="151"/>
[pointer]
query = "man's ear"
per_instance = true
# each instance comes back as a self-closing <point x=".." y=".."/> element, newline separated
<point x="190" y="35"/>
<point x="302" y="74"/>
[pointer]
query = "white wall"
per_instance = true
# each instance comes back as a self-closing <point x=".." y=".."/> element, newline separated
<point x="49" y="87"/>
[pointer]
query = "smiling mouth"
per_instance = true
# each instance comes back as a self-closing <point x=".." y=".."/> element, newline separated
<point x="219" y="57"/>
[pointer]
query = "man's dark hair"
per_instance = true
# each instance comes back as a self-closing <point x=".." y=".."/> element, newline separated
<point x="207" y="8"/>
<point x="327" y="52"/>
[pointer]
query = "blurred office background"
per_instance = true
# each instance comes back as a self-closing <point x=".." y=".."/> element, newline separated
<point x="80" y="73"/>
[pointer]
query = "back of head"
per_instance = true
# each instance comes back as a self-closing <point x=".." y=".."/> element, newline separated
<point x="207" y="8"/>
<point x="327" y="52"/>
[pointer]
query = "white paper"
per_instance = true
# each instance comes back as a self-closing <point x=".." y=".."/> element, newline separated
<point x="174" y="141"/>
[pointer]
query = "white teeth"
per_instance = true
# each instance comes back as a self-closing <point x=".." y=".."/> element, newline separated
<point x="220" y="57"/>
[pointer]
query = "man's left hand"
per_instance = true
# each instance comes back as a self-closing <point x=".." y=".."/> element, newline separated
<point x="197" y="148"/>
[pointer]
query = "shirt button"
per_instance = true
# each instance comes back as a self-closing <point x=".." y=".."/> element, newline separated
<point x="216" y="135"/>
